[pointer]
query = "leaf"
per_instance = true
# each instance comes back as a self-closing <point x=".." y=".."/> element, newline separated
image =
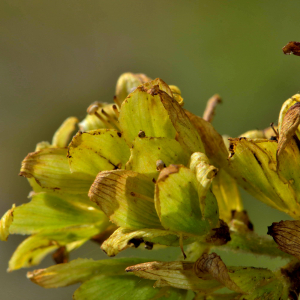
<point x="147" y="151"/>
<point x="79" y="270"/>
<point x="287" y="236"/>
<point x="97" y="150"/>
<point x="54" y="211"/>
<point x="142" y="111"/>
<point x="63" y="135"/>
<point x="32" y="250"/>
<point x="127" y="198"/>
<point x="179" y="274"/>
<point x="123" y="288"/>
<point x="50" y="168"/>
<point x="177" y="201"/>
<point x="124" y="238"/>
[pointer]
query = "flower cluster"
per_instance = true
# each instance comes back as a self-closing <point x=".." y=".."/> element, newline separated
<point x="146" y="171"/>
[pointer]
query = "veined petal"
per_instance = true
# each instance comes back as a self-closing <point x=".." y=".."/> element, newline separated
<point x="127" y="198"/>
<point x="97" y="150"/>
<point x="63" y="135"/>
<point x="253" y="165"/>
<point x="123" y="288"/>
<point x="50" y="168"/>
<point x="147" y="151"/>
<point x="54" y="211"/>
<point x="177" y="202"/>
<point x="143" y="111"/>
<point x="31" y="251"/>
<point x="124" y="238"/>
<point x="68" y="273"/>
<point x="177" y="274"/>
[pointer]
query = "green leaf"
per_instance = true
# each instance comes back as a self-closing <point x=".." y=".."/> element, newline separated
<point x="127" y="198"/>
<point x="31" y="251"/>
<point x="123" y="288"/>
<point x="5" y="223"/>
<point x="53" y="211"/>
<point x="142" y="111"/>
<point x="97" y="150"/>
<point x="146" y="151"/>
<point x="80" y="270"/>
<point x="50" y="168"/>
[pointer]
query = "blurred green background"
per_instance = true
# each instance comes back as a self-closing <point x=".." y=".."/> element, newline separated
<point x="59" y="56"/>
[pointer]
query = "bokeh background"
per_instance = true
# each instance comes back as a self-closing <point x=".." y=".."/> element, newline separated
<point x="58" y="56"/>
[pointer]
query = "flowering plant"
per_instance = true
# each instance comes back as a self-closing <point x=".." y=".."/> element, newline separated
<point x="146" y="171"/>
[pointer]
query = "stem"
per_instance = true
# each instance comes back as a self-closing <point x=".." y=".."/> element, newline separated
<point x="252" y="243"/>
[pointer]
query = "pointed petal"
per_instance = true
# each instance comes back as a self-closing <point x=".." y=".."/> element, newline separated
<point x="123" y="238"/>
<point x="5" y="223"/>
<point x="53" y="211"/>
<point x="126" y="197"/>
<point x="68" y="273"/>
<point x="123" y="288"/>
<point x="97" y="150"/>
<point x="63" y="135"/>
<point x="177" y="274"/>
<point x="142" y="111"/>
<point x="147" y="151"/>
<point x="50" y="168"/>
<point x="187" y="136"/>
<point x="213" y="142"/>
<point x="227" y="193"/>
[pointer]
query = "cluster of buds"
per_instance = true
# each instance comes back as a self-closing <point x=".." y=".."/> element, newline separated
<point x="146" y="171"/>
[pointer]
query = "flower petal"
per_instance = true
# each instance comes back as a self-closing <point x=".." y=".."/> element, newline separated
<point x="127" y="198"/>
<point x="97" y="150"/>
<point x="63" y="135"/>
<point x="147" y="151"/>
<point x="50" y="168"/>
<point x="5" y="223"/>
<point x="142" y="111"/>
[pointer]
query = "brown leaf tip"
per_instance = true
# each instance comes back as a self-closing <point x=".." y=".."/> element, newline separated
<point x="292" y="48"/>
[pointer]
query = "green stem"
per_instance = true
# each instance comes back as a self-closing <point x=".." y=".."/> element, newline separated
<point x="252" y="243"/>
